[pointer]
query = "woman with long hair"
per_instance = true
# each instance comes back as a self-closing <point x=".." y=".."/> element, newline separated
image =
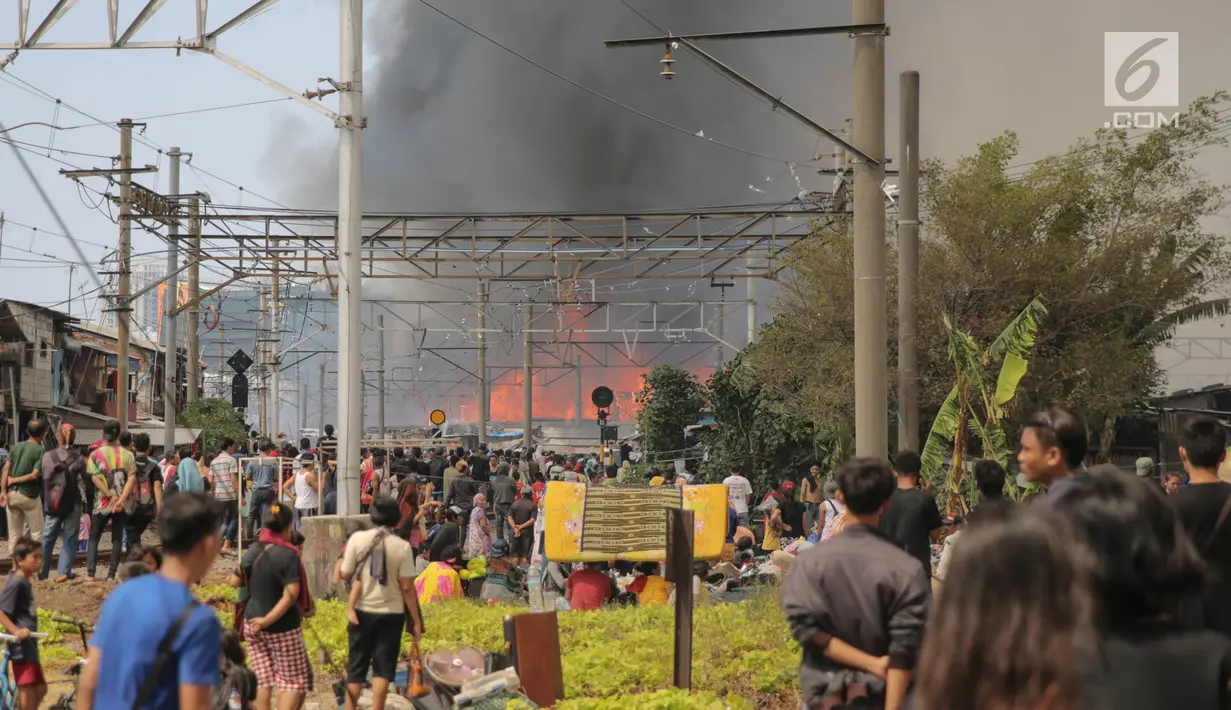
<point x="1013" y="628"/>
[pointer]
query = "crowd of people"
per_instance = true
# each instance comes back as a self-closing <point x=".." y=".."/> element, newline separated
<point x="1105" y="590"/>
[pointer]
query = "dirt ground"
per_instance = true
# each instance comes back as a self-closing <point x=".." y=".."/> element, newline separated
<point x="83" y="600"/>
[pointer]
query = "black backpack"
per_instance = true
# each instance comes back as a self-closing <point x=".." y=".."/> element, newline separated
<point x="56" y="483"/>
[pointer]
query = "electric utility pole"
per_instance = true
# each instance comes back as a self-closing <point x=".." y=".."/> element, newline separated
<point x="170" y="338"/>
<point x="194" y="291"/>
<point x="122" y="307"/>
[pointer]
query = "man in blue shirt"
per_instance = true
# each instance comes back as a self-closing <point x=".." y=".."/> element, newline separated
<point x="264" y="476"/>
<point x="140" y="614"/>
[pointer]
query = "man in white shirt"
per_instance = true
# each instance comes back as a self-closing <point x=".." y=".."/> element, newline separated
<point x="739" y="492"/>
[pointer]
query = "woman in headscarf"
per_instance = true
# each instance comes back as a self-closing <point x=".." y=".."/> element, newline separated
<point x="440" y="582"/>
<point x="478" y="532"/>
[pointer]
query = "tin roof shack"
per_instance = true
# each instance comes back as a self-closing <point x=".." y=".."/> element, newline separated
<point x="30" y="338"/>
<point x="91" y="357"/>
<point x="1177" y="409"/>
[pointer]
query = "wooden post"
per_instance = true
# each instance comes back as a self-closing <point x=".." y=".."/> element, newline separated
<point x="679" y="572"/>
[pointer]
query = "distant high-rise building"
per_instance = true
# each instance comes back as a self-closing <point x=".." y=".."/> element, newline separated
<point x="146" y="271"/>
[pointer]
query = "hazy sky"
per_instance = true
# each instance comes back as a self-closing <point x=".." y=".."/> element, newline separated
<point x="1036" y="68"/>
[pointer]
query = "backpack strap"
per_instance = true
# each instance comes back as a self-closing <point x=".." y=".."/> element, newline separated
<point x="1222" y="518"/>
<point x="163" y="656"/>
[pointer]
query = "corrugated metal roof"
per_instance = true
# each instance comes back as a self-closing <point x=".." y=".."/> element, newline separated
<point x="183" y="436"/>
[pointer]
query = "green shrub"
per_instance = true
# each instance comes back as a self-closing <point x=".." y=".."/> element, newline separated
<point x="742" y="651"/>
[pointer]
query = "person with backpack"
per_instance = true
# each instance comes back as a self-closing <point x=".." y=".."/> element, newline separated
<point x="146" y="499"/>
<point x="64" y="468"/>
<point x="236" y="688"/>
<point x="110" y="467"/>
<point x="155" y="646"/>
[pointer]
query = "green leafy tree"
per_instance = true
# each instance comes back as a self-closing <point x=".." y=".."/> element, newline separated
<point x="670" y="399"/>
<point x="983" y="397"/>
<point x="1113" y="235"/>
<point x="753" y="431"/>
<point x="215" y="418"/>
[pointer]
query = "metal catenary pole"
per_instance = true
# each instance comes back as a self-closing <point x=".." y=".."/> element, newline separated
<point x="275" y="347"/>
<point x="527" y="377"/>
<point x="350" y="222"/>
<point x="908" y="264"/>
<point x="871" y="390"/>
<point x="122" y="306"/>
<point x="170" y="338"/>
<point x="322" y="401"/>
<point x="482" y="371"/>
<point x="380" y="375"/>
<point x="262" y="349"/>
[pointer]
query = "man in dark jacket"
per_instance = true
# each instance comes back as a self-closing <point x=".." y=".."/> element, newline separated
<point x="436" y="465"/>
<point x="504" y="495"/>
<point x="461" y="494"/>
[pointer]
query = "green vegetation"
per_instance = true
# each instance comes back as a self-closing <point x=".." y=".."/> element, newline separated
<point x="980" y="400"/>
<point x="1115" y="235"/>
<point x="671" y="398"/>
<point x="215" y="418"/>
<point x="742" y="650"/>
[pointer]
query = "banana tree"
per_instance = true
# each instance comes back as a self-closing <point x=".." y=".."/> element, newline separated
<point x="978" y="400"/>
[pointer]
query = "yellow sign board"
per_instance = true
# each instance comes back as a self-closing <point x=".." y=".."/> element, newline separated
<point x="437" y="417"/>
<point x="603" y="523"/>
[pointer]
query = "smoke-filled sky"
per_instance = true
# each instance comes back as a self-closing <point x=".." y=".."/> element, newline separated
<point x="457" y="124"/>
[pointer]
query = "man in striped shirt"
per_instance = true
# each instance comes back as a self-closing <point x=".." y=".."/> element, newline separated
<point x="224" y="477"/>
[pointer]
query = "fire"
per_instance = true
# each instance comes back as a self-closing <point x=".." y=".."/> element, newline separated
<point x="557" y="400"/>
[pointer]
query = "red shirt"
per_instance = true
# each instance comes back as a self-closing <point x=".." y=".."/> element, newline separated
<point x="539" y="488"/>
<point x="590" y="587"/>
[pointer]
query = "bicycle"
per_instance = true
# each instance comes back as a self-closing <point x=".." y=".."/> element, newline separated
<point x="68" y="701"/>
<point x="8" y="687"/>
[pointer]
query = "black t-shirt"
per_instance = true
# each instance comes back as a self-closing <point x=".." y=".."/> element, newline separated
<point x="401" y="466"/>
<point x="1155" y="664"/>
<point x="793" y="517"/>
<point x="523" y="510"/>
<point x="17" y="602"/>
<point x="989" y="509"/>
<point x="1198" y="507"/>
<point x="277" y="567"/>
<point x="480" y="468"/>
<point x="911" y="516"/>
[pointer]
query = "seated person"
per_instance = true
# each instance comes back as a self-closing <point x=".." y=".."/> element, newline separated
<point x="649" y="586"/>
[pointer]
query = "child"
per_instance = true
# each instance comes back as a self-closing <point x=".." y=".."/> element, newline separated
<point x="151" y="557"/>
<point x="18" y="618"/>
<point x="236" y="687"/>
<point x="131" y="570"/>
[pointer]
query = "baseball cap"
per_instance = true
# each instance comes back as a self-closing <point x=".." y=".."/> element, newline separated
<point x="788" y="486"/>
<point x="1145" y="466"/>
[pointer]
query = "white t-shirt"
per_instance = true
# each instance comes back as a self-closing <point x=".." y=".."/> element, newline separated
<point x="738" y="490"/>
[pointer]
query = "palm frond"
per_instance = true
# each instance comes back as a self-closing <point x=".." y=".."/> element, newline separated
<point x="1012" y="370"/>
<point x="1018" y="336"/>
<point x="1162" y="328"/>
<point x="940" y="438"/>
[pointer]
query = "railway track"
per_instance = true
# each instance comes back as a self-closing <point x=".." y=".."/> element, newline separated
<point x="104" y="559"/>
